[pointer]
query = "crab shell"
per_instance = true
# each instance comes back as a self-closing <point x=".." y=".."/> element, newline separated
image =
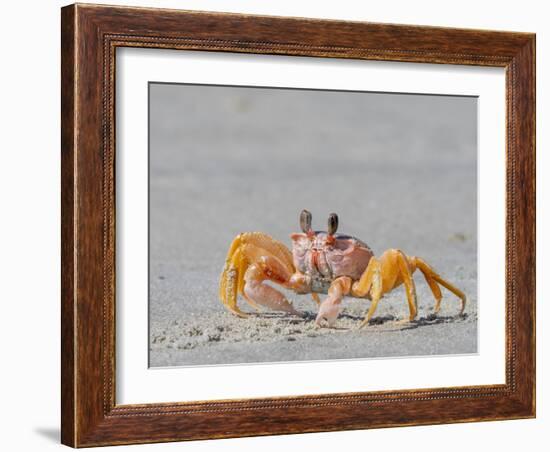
<point x="322" y="257"/>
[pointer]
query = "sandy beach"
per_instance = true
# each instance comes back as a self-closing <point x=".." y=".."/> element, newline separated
<point x="400" y="171"/>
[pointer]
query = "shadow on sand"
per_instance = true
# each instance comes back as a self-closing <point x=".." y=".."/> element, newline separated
<point x="403" y="324"/>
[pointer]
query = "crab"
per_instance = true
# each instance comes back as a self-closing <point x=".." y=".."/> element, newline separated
<point x="321" y="262"/>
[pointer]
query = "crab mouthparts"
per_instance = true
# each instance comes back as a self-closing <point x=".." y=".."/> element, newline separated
<point x="315" y="259"/>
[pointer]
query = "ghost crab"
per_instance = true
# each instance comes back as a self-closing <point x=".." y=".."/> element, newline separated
<point x="321" y="262"/>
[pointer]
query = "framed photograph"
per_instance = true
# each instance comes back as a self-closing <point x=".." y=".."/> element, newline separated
<point x="280" y="225"/>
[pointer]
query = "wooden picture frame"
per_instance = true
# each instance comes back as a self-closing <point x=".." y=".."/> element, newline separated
<point x="90" y="35"/>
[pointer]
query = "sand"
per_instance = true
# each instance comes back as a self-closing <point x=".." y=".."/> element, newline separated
<point x="399" y="170"/>
<point x="222" y="338"/>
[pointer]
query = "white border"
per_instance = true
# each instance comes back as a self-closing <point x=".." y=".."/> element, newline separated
<point x="135" y="383"/>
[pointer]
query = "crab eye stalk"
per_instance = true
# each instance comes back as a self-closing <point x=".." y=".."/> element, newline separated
<point x="305" y="221"/>
<point x="332" y="223"/>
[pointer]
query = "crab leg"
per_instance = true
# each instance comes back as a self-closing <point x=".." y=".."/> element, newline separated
<point x="369" y="279"/>
<point x="370" y="284"/>
<point x="330" y="307"/>
<point x="393" y="269"/>
<point x="408" y="281"/>
<point x="382" y="276"/>
<point x="434" y="287"/>
<point x="433" y="278"/>
<point x="231" y="282"/>
<point x="316" y="298"/>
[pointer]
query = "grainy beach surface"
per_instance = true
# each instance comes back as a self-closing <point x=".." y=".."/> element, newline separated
<point x="400" y="171"/>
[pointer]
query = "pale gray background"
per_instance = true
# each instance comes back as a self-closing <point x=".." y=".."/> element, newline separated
<point x="399" y="169"/>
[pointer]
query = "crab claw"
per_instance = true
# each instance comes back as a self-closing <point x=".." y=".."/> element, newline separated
<point x="332" y="305"/>
<point x="328" y="311"/>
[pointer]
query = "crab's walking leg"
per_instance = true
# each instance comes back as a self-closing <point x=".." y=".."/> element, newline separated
<point x="433" y="278"/>
<point x="381" y="276"/>
<point x="231" y="282"/>
<point x="330" y="307"/>
<point x="369" y="284"/>
<point x="258" y="293"/>
<point x="436" y="290"/>
<point x="391" y="270"/>
<point x="408" y="281"/>
<point x="370" y="277"/>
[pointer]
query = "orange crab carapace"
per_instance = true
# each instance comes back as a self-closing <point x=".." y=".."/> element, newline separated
<point x="321" y="262"/>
